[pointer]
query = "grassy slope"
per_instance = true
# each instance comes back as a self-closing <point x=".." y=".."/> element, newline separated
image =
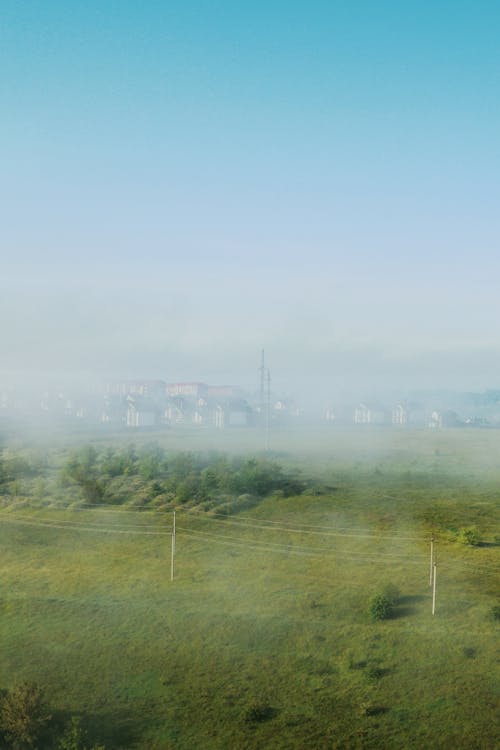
<point x="154" y="664"/>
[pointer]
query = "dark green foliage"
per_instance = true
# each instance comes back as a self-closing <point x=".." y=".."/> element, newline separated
<point x="24" y="716"/>
<point x="113" y="464"/>
<point x="258" y="711"/>
<point x="375" y="673"/>
<point x="469" y="536"/>
<point x="371" y="710"/>
<point x="18" y="467"/>
<point x="189" y="489"/>
<point x="4" y="474"/>
<point x="74" y="737"/>
<point x="495" y="612"/>
<point x="125" y="476"/>
<point x="82" y="469"/>
<point x="181" y="465"/>
<point x="380" y="607"/>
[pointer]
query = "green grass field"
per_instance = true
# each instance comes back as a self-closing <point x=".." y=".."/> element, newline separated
<point x="263" y="639"/>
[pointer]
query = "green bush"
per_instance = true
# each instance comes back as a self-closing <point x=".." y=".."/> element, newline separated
<point x="24" y="716"/>
<point x="469" y="536"/>
<point x="374" y="672"/>
<point x="380" y="607"/>
<point x="382" y="604"/>
<point x="74" y="737"/>
<point x="257" y="712"/>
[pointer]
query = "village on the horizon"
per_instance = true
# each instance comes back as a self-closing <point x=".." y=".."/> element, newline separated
<point x="154" y="404"/>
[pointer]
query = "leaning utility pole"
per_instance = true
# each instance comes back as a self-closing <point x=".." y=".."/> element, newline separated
<point x="172" y="552"/>
<point x="434" y="588"/>
<point x="432" y="560"/>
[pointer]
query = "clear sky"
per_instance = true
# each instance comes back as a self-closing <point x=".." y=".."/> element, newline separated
<point x="183" y="183"/>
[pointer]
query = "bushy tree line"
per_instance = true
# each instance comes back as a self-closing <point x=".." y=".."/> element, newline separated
<point x="16" y="468"/>
<point x="151" y="475"/>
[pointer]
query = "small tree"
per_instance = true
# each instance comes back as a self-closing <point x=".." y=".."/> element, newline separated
<point x="469" y="536"/>
<point x="380" y="607"/>
<point x="74" y="737"/>
<point x="24" y="715"/>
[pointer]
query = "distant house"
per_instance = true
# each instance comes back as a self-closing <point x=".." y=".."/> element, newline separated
<point x="141" y="412"/>
<point x="409" y="414"/>
<point x="223" y="391"/>
<point x="175" y="411"/>
<point x="234" y="413"/>
<point x="114" y="410"/>
<point x="370" y="414"/>
<point x="400" y="415"/>
<point x="152" y="388"/>
<point x="286" y="406"/>
<point x="441" y="419"/>
<point x="88" y="408"/>
<point x="477" y="422"/>
<point x="191" y="389"/>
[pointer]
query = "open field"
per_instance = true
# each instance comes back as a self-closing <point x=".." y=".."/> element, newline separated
<point x="263" y="639"/>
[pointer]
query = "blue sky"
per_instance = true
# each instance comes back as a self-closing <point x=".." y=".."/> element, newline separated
<point x="184" y="183"/>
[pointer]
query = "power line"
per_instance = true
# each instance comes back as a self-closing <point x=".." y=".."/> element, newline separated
<point x="291" y="529"/>
<point x="79" y="523"/>
<point x="318" y="550"/>
<point x="370" y="559"/>
<point x="212" y="515"/>
<point x="243" y="521"/>
<point x="51" y="525"/>
<point x="290" y="526"/>
<point x="256" y="544"/>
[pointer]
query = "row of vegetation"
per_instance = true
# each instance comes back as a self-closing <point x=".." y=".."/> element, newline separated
<point x="149" y="478"/>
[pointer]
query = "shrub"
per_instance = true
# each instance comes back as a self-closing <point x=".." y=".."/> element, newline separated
<point x="257" y="712"/>
<point x="368" y="709"/>
<point x="375" y="673"/>
<point x="495" y="612"/>
<point x="74" y="737"/>
<point x="24" y="716"/>
<point x="469" y="536"/>
<point x="381" y="606"/>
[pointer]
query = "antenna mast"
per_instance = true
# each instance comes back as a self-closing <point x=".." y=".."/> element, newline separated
<point x="262" y="386"/>
<point x="268" y="409"/>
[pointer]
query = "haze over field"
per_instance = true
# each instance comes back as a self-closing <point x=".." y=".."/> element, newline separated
<point x="185" y="183"/>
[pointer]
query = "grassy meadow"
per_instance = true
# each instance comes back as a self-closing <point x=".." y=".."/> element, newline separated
<point x="263" y="639"/>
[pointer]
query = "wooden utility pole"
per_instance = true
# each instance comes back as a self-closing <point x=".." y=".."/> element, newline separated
<point x="172" y="556"/>
<point x="432" y="560"/>
<point x="434" y="588"/>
